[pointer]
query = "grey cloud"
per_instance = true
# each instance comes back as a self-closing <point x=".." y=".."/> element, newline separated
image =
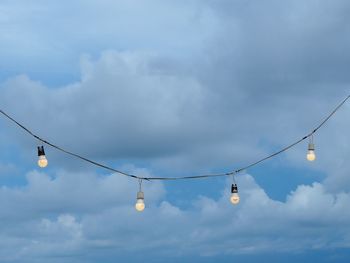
<point x="51" y="36"/>
<point x="295" y="49"/>
<point x="246" y="77"/>
<point x="229" y="83"/>
<point x="123" y="109"/>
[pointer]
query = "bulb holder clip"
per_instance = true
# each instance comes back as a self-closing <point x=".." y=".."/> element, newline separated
<point x="234" y="188"/>
<point x="311" y="147"/>
<point x="140" y="195"/>
<point x="41" y="151"/>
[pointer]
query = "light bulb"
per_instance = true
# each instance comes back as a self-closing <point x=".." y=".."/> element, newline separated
<point x="310" y="156"/>
<point x="140" y="202"/>
<point x="234" y="194"/>
<point x="42" y="161"/>
<point x="234" y="198"/>
<point x="140" y="205"/>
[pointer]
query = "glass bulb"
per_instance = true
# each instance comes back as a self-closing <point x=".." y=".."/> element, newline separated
<point x="140" y="205"/>
<point x="42" y="162"/>
<point x="234" y="198"/>
<point x="311" y="155"/>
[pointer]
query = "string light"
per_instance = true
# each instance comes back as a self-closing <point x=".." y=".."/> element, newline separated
<point x="42" y="161"/>
<point x="140" y="199"/>
<point x="234" y="192"/>
<point x="140" y="204"/>
<point x="310" y="156"/>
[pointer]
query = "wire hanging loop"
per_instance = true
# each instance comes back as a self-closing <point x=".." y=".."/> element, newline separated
<point x="311" y="138"/>
<point x="183" y="177"/>
<point x="234" y="178"/>
<point x="140" y="184"/>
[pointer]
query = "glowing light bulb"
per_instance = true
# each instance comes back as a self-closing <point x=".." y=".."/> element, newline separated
<point x="42" y="161"/>
<point x="140" y="202"/>
<point x="310" y="156"/>
<point x="234" y="194"/>
<point x="234" y="198"/>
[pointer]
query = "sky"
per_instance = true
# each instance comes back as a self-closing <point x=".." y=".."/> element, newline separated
<point x="174" y="88"/>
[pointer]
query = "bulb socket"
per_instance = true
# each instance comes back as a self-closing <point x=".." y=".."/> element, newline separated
<point x="234" y="188"/>
<point x="140" y="195"/>
<point x="311" y="147"/>
<point x="41" y="151"/>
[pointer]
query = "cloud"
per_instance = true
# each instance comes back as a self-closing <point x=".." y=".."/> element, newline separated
<point x="29" y="34"/>
<point x="195" y="113"/>
<point x="127" y="108"/>
<point x="145" y="113"/>
<point x="176" y="88"/>
<point x="70" y="193"/>
<point x="310" y="218"/>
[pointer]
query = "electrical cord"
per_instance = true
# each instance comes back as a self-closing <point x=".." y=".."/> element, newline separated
<point x="231" y="173"/>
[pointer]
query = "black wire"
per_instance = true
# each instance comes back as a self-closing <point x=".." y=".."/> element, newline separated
<point x="182" y="177"/>
<point x="261" y="160"/>
<point x="329" y="116"/>
<point x="65" y="151"/>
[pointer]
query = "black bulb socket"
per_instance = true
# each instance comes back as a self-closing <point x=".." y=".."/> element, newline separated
<point x="234" y="188"/>
<point x="41" y="151"/>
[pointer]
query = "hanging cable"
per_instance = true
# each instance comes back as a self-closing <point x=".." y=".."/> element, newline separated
<point x="181" y="177"/>
<point x="263" y="159"/>
<point x="65" y="151"/>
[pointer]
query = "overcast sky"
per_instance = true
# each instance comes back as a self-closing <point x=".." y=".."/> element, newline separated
<point x="174" y="88"/>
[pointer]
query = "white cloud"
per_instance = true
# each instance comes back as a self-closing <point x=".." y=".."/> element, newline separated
<point x="197" y="87"/>
<point x="310" y="218"/>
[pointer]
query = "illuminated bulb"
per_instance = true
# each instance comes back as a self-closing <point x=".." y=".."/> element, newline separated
<point x="234" y="194"/>
<point x="42" y="161"/>
<point x="140" y="201"/>
<point x="310" y="156"/>
<point x="234" y="198"/>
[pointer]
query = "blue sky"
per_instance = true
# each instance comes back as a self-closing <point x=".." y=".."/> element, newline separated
<point x="174" y="88"/>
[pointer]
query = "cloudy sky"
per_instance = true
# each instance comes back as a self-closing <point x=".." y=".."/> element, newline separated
<point x="174" y="88"/>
